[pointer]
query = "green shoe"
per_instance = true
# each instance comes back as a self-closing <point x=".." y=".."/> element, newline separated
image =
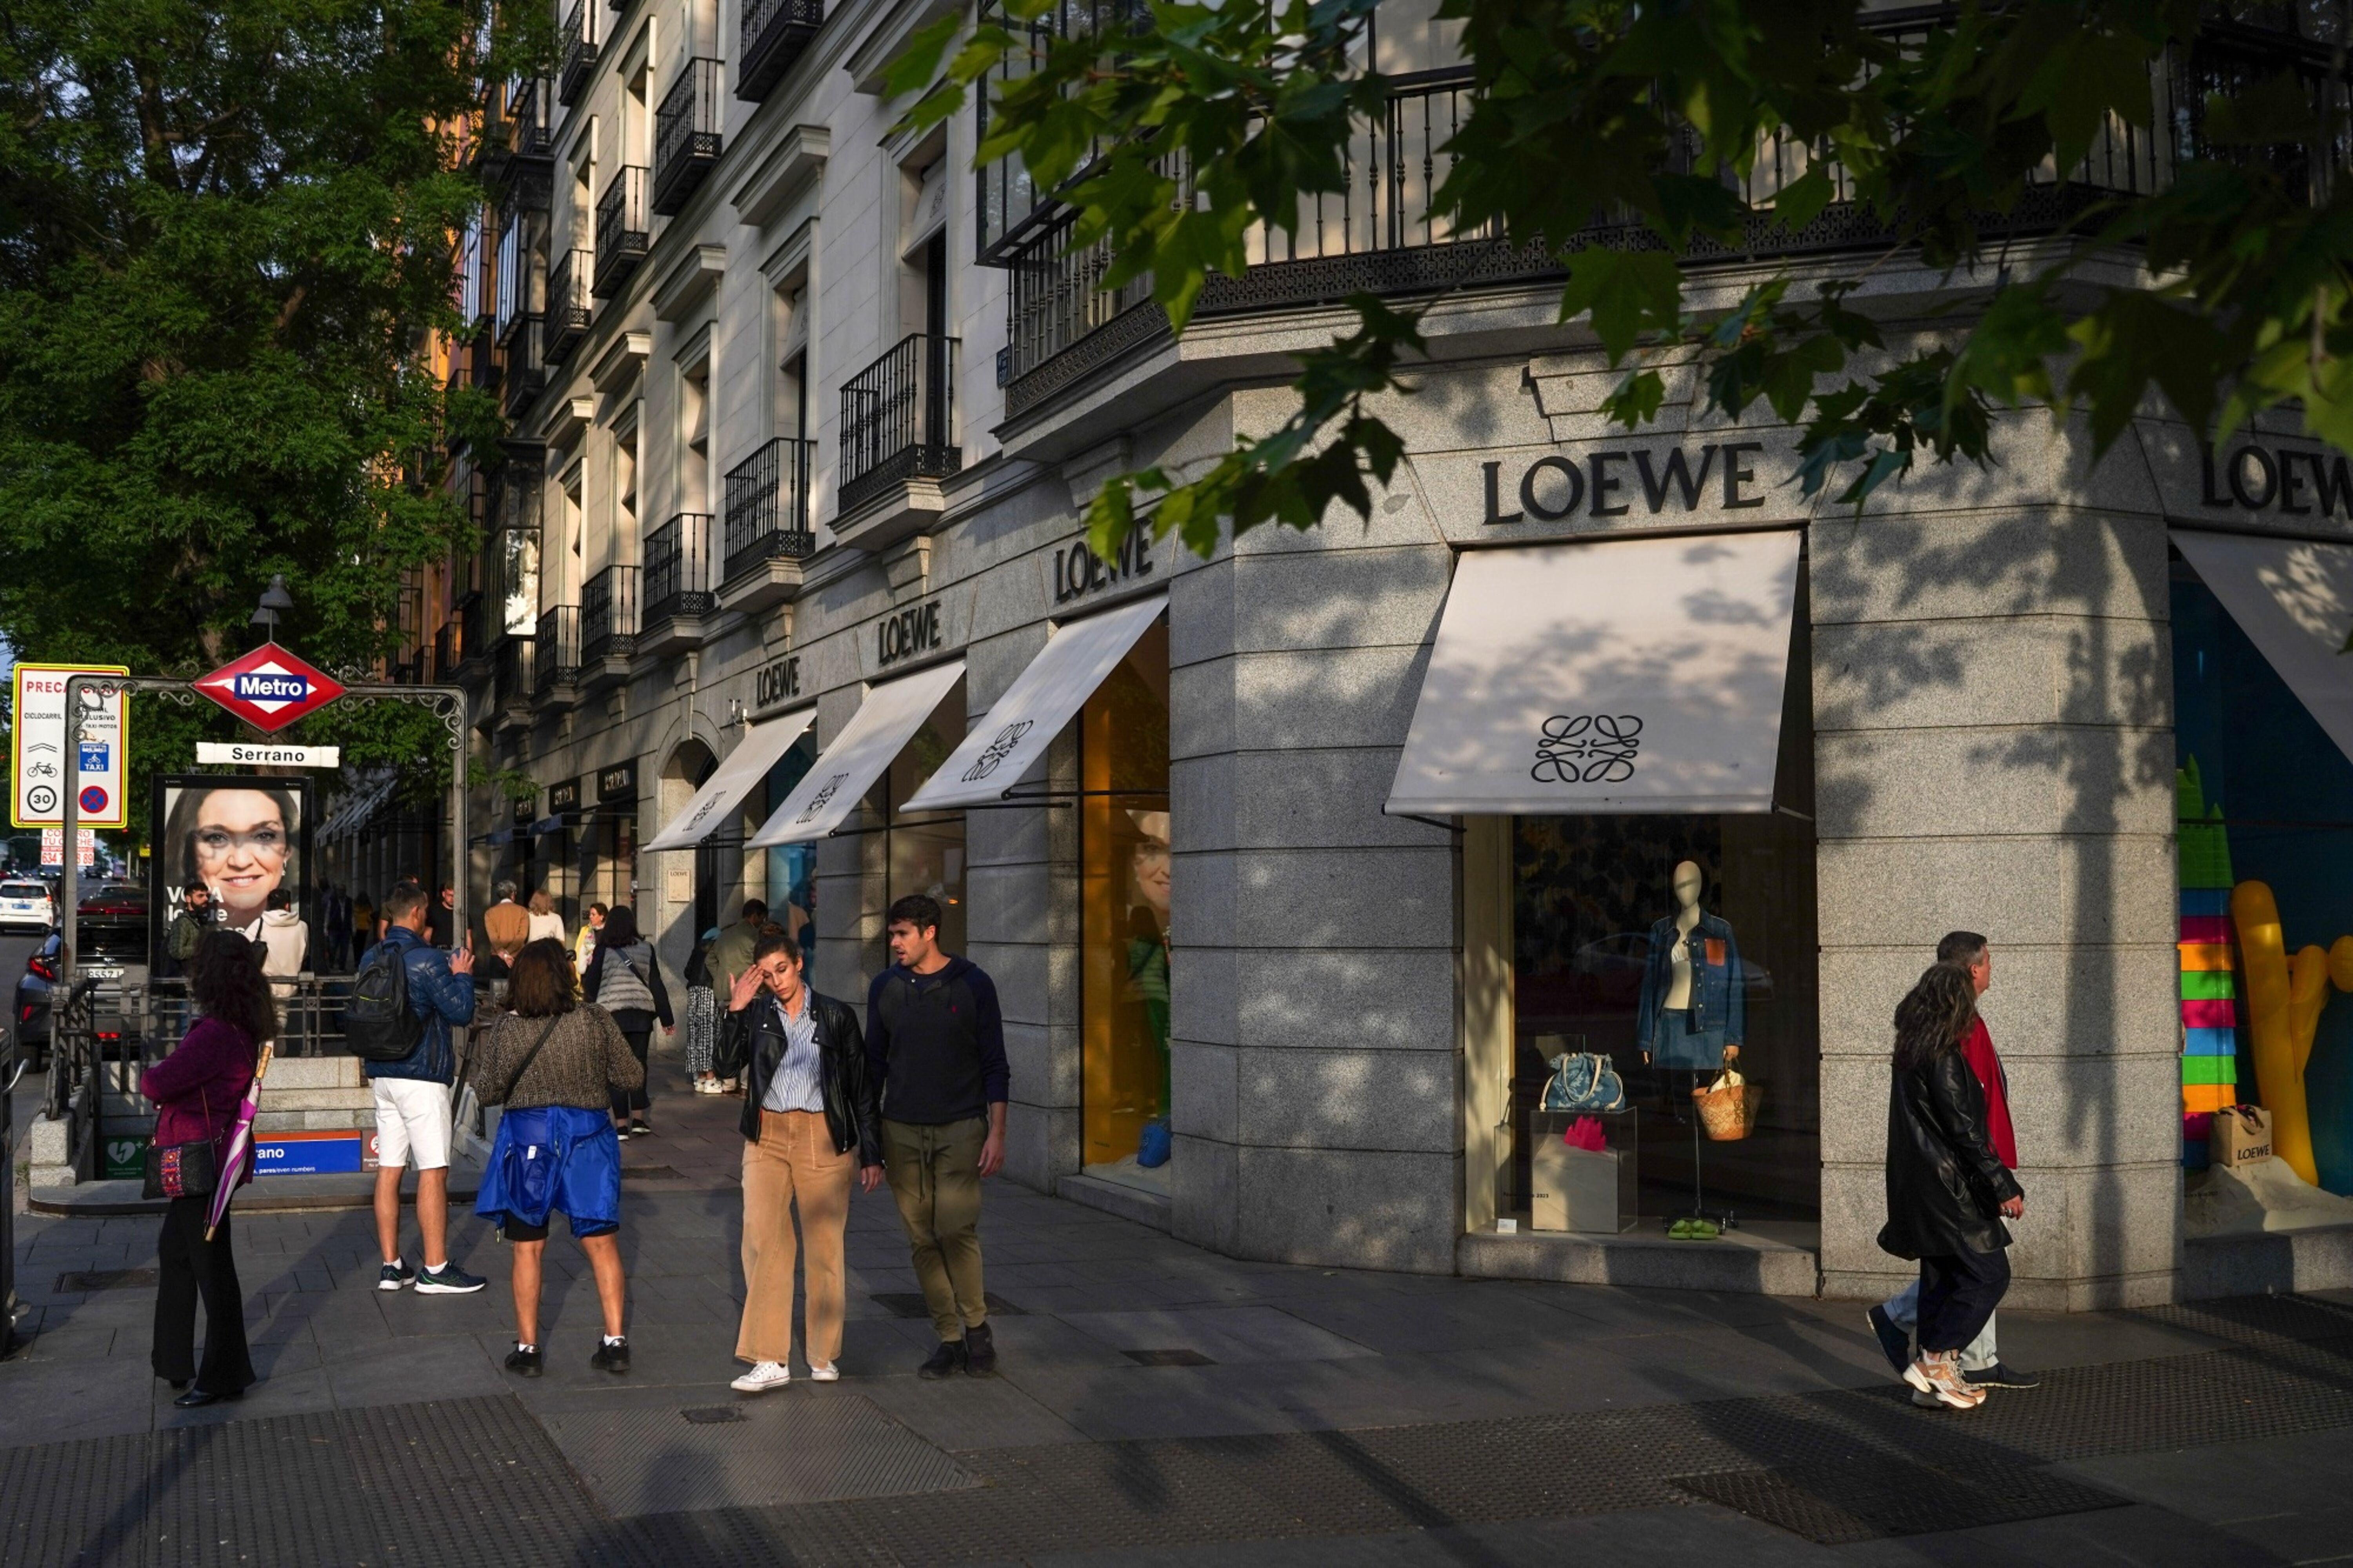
<point x="1704" y="1230"/>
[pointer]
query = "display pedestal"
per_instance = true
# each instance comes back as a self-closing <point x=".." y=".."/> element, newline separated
<point x="1722" y="1218"/>
<point x="1580" y="1189"/>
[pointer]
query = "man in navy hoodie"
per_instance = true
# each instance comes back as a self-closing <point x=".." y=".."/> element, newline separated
<point x="412" y="1102"/>
<point x="935" y="1043"/>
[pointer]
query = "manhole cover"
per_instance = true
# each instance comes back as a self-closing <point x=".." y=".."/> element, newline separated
<point x="910" y="1304"/>
<point x="824" y="1446"/>
<point x="1865" y="1497"/>
<point x="712" y="1415"/>
<point x="85" y="1279"/>
<point x="1168" y="1358"/>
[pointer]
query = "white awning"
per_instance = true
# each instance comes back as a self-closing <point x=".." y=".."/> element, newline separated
<point x="365" y="796"/>
<point x="1635" y="675"/>
<point x="846" y="770"/>
<point x="1034" y="709"/>
<point x="734" y="781"/>
<point x="2294" y="601"/>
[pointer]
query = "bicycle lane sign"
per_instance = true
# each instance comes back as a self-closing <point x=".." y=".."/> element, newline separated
<point x="44" y="762"/>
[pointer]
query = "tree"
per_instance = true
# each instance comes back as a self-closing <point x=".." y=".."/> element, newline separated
<point x="2219" y="282"/>
<point x="225" y="232"/>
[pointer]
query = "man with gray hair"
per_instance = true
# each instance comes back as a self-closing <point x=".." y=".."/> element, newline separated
<point x="1891" y="1320"/>
<point x="507" y="924"/>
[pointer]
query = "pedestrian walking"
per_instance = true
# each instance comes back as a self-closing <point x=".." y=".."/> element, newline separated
<point x="286" y="952"/>
<point x="584" y="941"/>
<point x="554" y="1062"/>
<point x="625" y="979"/>
<point x="197" y="1090"/>
<point x="1891" y="1320"/>
<point x="809" y="1120"/>
<point x="187" y="927"/>
<point x="1947" y="1191"/>
<point x="545" y="924"/>
<point x="702" y="1014"/>
<point x="506" y="925"/>
<point x="412" y="1099"/>
<point x="935" y="1048"/>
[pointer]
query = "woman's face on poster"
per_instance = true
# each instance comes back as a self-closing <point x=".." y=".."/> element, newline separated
<point x="241" y="844"/>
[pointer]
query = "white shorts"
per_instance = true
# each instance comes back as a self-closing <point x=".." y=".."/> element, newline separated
<point x="412" y="1116"/>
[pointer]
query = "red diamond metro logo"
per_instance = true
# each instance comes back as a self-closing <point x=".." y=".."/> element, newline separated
<point x="270" y="687"/>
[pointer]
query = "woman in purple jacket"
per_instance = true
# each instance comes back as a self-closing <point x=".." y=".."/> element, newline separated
<point x="196" y="1090"/>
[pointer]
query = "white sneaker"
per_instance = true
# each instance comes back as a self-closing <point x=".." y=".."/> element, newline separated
<point x="768" y="1375"/>
<point x="1937" y="1382"/>
<point x="824" y="1374"/>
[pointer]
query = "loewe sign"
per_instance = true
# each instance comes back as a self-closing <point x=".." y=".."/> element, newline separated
<point x="1609" y="484"/>
<point x="2255" y="479"/>
<point x="1078" y="569"/>
<point x="908" y="633"/>
<point x="777" y="682"/>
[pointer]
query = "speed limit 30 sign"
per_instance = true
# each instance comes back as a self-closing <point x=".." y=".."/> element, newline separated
<point x="46" y="761"/>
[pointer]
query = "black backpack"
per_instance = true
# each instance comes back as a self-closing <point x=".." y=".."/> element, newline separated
<point x="378" y="1026"/>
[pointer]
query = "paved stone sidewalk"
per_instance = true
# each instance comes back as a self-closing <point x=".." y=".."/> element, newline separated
<point x="1159" y="1404"/>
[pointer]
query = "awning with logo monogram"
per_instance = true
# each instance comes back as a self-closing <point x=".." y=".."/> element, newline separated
<point x="1621" y="675"/>
<point x="846" y="770"/>
<point x="733" y="783"/>
<point x="2294" y="601"/>
<point x="1043" y="698"/>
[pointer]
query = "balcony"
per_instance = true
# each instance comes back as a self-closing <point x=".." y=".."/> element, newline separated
<point x="444" y="667"/>
<point x="773" y="33"/>
<point x="686" y="135"/>
<point x="898" y="441"/>
<point x="481" y="362"/>
<point x="513" y="681"/>
<point x="576" y="50"/>
<point x="555" y="657"/>
<point x="623" y="231"/>
<point x="608" y="626"/>
<point x="569" y="308"/>
<point x="473" y="638"/>
<point x="529" y="178"/>
<point x="678" y="600"/>
<point x="523" y="376"/>
<point x="767" y="534"/>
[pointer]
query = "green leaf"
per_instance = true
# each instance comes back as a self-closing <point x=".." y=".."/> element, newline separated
<point x="1627" y="293"/>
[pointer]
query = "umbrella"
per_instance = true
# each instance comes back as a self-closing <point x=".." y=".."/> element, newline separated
<point x="240" y="1146"/>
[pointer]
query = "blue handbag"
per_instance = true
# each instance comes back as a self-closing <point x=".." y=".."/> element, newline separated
<point x="1584" y="1081"/>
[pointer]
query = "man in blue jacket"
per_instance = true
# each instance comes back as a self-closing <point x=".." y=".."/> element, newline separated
<point x="935" y="1046"/>
<point x="412" y="1102"/>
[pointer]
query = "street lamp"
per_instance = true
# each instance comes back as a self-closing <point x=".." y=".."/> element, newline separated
<point x="275" y="599"/>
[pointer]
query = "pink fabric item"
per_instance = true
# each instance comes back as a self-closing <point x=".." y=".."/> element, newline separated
<point x="1585" y="1133"/>
<point x="2207" y="928"/>
<point x="2210" y="1015"/>
<point x="2197" y="1126"/>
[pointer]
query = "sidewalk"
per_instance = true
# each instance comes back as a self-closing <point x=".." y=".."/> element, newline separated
<point x="1159" y="1404"/>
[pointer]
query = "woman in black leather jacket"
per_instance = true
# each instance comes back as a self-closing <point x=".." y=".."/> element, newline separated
<point x="1947" y="1191"/>
<point x="811" y="1118"/>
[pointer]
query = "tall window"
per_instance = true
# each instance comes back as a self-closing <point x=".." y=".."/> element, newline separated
<point x="1124" y="885"/>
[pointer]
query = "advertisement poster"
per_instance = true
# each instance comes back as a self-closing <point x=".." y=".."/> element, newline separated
<point x="241" y="838"/>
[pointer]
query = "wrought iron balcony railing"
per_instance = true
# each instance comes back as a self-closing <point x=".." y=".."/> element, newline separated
<point x="678" y="569"/>
<point x="898" y="418"/>
<point x="569" y="308"/>
<point x="773" y="33"/>
<point x="576" y="50"/>
<point x="686" y="135"/>
<point x="768" y="506"/>
<point x="523" y="376"/>
<point x="624" y="230"/>
<point x="609" y="615"/>
<point x="529" y="133"/>
<point x="555" y="649"/>
<point x="513" y="676"/>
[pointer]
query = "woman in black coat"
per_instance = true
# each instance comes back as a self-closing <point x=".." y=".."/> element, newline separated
<point x="1947" y="1191"/>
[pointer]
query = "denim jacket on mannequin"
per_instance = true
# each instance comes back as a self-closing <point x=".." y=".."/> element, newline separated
<point x="1719" y="1002"/>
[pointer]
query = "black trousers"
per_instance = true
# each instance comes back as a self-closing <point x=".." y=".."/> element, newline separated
<point x="636" y="1026"/>
<point x="188" y="1267"/>
<point x="1958" y="1294"/>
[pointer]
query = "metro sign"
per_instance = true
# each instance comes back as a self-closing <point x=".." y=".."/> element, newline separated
<point x="270" y="687"/>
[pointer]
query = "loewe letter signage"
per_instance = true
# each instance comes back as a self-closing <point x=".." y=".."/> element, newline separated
<point x="908" y="633"/>
<point x="1611" y="484"/>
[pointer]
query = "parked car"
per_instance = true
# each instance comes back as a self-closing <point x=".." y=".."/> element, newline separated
<point x="113" y="931"/>
<point x="27" y="904"/>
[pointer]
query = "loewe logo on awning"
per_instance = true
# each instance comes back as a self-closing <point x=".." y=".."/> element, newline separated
<point x="1552" y="487"/>
<point x="2255" y="479"/>
<point x="1587" y="748"/>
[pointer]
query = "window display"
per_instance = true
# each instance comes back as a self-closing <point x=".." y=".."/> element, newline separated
<point x="1125" y="879"/>
<point x="791" y="897"/>
<point x="926" y="847"/>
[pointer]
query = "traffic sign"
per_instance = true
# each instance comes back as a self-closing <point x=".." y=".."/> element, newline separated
<point x="270" y="687"/>
<point x="44" y="762"/>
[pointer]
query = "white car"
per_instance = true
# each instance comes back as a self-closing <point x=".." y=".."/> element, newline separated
<point x="26" y="903"/>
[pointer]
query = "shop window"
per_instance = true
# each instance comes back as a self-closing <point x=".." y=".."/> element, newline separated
<point x="791" y="897"/>
<point x="926" y="847"/>
<point x="1598" y="906"/>
<point x="1123" y="919"/>
<point x="2273" y="798"/>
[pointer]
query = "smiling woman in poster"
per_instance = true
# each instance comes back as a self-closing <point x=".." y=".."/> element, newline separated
<point x="237" y="840"/>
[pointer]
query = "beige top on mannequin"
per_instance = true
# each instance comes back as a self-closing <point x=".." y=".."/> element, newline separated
<point x="1687" y="884"/>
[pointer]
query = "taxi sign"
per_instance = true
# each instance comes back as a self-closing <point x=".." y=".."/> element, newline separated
<point x="270" y="687"/>
<point x="50" y="757"/>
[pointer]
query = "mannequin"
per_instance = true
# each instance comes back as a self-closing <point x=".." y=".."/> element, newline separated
<point x="1695" y="1009"/>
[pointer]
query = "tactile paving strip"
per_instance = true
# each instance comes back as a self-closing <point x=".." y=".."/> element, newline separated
<point x="786" y="1447"/>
